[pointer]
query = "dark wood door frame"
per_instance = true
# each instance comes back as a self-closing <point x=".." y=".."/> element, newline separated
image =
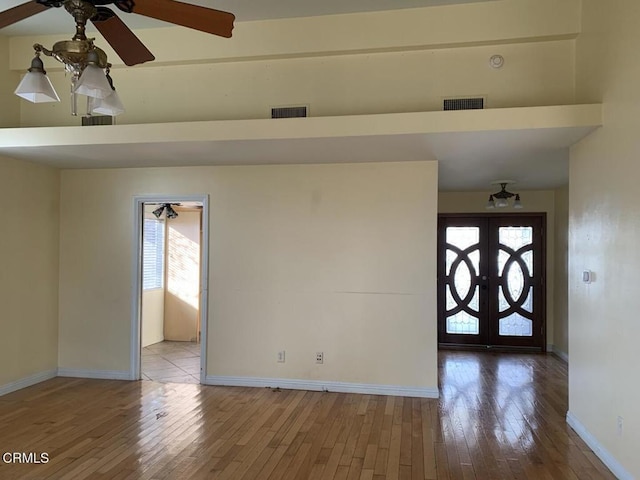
<point x="491" y="339"/>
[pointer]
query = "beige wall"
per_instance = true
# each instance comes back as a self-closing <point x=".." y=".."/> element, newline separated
<point x="561" y="282"/>
<point x="332" y="258"/>
<point x="533" y="201"/>
<point x="604" y="229"/>
<point x="399" y="61"/>
<point x="9" y="103"/>
<point x="182" y="277"/>
<point x="338" y="85"/>
<point x="29" y="196"/>
<point x="152" y="315"/>
<point x="152" y="319"/>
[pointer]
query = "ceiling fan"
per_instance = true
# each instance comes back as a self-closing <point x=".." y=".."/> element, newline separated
<point x="88" y="64"/>
<point x="130" y="49"/>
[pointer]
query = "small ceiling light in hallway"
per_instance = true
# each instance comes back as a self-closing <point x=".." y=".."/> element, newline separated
<point x="501" y="199"/>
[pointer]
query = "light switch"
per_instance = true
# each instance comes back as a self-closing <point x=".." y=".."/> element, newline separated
<point x="587" y="276"/>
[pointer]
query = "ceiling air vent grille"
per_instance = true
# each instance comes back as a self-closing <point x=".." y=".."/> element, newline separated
<point x="476" y="103"/>
<point x="289" y="112"/>
<point x="90" y="120"/>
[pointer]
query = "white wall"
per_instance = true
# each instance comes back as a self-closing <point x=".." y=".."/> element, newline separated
<point x="29" y="195"/>
<point x="533" y="201"/>
<point x="604" y="230"/>
<point x="398" y="61"/>
<point x="333" y="258"/>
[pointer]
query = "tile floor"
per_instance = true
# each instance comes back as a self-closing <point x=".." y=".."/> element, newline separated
<point x="171" y="362"/>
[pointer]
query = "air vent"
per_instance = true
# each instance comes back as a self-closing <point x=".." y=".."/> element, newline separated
<point x="289" y="112"/>
<point x="476" y="103"/>
<point x="91" y="120"/>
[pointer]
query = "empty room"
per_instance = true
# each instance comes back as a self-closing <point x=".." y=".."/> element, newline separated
<point x="319" y="240"/>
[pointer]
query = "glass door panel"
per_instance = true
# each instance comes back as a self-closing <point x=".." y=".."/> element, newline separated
<point x="514" y="284"/>
<point x="460" y="279"/>
<point x="516" y="245"/>
<point x="462" y="271"/>
<point x="490" y="280"/>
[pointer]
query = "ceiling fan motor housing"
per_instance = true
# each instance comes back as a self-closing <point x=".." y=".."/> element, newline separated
<point x="75" y="52"/>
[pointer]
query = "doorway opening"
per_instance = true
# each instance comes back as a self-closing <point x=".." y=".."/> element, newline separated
<point x="491" y="281"/>
<point x="170" y="296"/>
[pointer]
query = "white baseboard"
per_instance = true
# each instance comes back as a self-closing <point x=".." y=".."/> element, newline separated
<point x="27" y="381"/>
<point x="97" y="374"/>
<point x="616" y="468"/>
<point x="319" y="385"/>
<point x="558" y="353"/>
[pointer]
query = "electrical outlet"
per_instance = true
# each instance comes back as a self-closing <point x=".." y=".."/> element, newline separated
<point x="319" y="357"/>
<point x="281" y="356"/>
<point x="620" y="424"/>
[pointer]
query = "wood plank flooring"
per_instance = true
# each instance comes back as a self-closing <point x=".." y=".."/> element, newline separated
<point x="500" y="416"/>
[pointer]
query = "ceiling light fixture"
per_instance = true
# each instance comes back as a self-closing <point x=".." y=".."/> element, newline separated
<point x="158" y="211"/>
<point x="501" y="198"/>
<point x="171" y="213"/>
<point x="86" y="63"/>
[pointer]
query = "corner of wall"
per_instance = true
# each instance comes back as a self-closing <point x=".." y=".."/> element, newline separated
<point x="29" y="283"/>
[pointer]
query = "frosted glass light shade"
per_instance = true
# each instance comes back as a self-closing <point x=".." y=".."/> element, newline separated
<point x="37" y="88"/>
<point x="93" y="83"/>
<point x="111" y="105"/>
<point x="502" y="202"/>
<point x="517" y="203"/>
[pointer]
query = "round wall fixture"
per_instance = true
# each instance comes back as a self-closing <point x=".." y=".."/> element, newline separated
<point x="496" y="61"/>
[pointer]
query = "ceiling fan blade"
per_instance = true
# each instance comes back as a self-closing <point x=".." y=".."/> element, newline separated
<point x="128" y="47"/>
<point x="204" y="19"/>
<point x="15" y="14"/>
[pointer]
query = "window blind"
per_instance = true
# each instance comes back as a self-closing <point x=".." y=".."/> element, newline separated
<point x="153" y="254"/>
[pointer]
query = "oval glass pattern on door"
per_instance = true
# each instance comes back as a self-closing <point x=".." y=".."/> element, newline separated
<point x="515" y="281"/>
<point x="462" y="285"/>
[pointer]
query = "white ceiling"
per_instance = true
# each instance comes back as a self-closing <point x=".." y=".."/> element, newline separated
<point x="56" y="20"/>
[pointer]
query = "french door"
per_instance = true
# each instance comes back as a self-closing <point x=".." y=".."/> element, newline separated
<point x="491" y="281"/>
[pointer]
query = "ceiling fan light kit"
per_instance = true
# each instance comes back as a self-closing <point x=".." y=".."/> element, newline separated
<point x="36" y="86"/>
<point x="93" y="80"/>
<point x="111" y="105"/>
<point x="501" y="199"/>
<point x="87" y="64"/>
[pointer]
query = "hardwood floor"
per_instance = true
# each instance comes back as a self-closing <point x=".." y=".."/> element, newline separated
<point x="500" y="416"/>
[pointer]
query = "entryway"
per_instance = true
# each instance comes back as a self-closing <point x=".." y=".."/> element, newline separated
<point x="169" y="321"/>
<point x="491" y="276"/>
